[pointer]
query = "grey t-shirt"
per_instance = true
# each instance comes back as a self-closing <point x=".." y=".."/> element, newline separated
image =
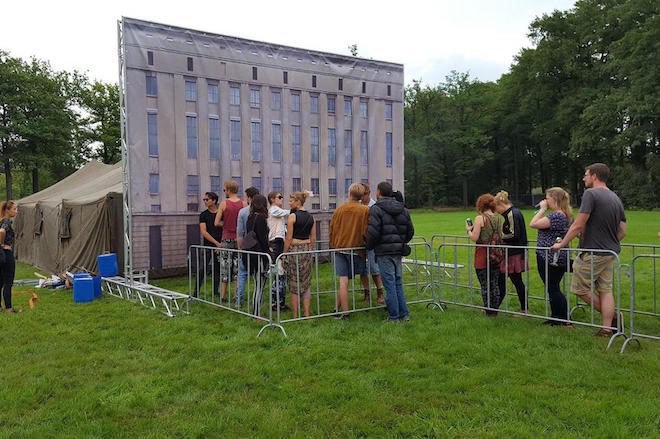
<point x="241" y="223"/>
<point x="606" y="213"/>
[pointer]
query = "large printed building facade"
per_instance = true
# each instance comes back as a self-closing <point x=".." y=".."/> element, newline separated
<point x="203" y="108"/>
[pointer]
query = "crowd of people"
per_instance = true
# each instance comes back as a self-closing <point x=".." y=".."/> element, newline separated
<point x="600" y="223"/>
<point x="260" y="225"/>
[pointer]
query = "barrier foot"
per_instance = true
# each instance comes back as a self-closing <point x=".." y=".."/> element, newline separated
<point x="628" y="340"/>
<point x="435" y="305"/>
<point x="613" y="337"/>
<point x="272" y="325"/>
<point x="575" y="308"/>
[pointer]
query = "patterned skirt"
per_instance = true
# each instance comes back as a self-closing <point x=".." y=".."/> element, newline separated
<point x="299" y="269"/>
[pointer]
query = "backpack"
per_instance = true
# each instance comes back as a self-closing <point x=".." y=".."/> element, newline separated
<point x="495" y="254"/>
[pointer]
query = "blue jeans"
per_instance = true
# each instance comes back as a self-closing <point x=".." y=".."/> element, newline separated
<point x="391" y="275"/>
<point x="242" y="280"/>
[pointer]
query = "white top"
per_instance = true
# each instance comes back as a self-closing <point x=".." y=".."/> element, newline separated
<point x="371" y="202"/>
<point x="277" y="222"/>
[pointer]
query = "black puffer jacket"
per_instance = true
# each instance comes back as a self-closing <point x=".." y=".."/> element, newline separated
<point x="390" y="227"/>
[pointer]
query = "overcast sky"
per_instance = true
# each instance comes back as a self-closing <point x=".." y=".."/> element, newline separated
<point x="430" y="38"/>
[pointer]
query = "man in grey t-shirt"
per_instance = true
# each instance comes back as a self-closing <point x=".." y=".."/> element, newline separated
<point x="601" y="224"/>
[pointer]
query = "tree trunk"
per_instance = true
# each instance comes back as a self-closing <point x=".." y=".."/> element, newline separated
<point x="8" y="179"/>
<point x="35" y="180"/>
<point x="465" y="192"/>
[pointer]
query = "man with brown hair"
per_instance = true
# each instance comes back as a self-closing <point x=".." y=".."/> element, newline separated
<point x="227" y="217"/>
<point x="348" y="229"/>
<point x="601" y="224"/>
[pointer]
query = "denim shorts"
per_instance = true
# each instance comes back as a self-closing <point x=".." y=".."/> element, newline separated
<point x="349" y="265"/>
<point x="373" y="265"/>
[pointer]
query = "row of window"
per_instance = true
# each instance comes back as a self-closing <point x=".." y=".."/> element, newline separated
<point x="193" y="186"/>
<point x="276" y="98"/>
<point x="192" y="142"/>
<point x="255" y="74"/>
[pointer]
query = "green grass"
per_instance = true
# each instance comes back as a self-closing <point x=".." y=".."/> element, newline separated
<point x="113" y="368"/>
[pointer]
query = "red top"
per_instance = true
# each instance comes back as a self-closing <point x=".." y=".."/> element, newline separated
<point x="230" y="219"/>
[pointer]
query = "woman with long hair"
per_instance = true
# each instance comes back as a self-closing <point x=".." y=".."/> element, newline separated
<point x="550" y="227"/>
<point x="300" y="237"/>
<point x="486" y="224"/>
<point x="514" y="235"/>
<point x="8" y="211"/>
<point x="257" y="265"/>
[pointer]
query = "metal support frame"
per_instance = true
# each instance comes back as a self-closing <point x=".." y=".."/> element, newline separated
<point x="169" y="302"/>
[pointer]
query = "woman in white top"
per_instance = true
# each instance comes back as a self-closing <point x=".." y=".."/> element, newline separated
<point x="277" y="224"/>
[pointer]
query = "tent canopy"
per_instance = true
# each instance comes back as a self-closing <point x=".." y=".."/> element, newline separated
<point x="65" y="226"/>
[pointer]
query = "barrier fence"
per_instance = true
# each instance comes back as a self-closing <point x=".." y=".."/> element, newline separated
<point x="644" y="319"/>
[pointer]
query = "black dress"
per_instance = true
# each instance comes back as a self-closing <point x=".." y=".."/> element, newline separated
<point x="257" y="222"/>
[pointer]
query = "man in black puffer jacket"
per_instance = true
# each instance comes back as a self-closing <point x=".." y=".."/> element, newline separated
<point x="390" y="229"/>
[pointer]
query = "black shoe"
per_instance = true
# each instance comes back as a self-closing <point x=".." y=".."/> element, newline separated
<point x="342" y="316"/>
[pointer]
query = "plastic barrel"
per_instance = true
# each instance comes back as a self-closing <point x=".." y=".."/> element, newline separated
<point x="108" y="266"/>
<point x="83" y="289"/>
<point x="97" y="286"/>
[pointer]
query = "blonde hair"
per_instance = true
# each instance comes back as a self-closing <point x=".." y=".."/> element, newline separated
<point x="502" y="197"/>
<point x="300" y="196"/>
<point x="356" y="191"/>
<point x="562" y="199"/>
<point x="231" y="186"/>
<point x="5" y="207"/>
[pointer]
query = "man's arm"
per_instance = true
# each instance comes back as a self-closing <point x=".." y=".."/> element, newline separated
<point x="207" y="235"/>
<point x="278" y="212"/>
<point x="218" y="215"/>
<point x="623" y="229"/>
<point x="373" y="230"/>
<point x="576" y="228"/>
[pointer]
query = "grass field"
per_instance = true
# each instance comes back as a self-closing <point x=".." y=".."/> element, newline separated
<point x="112" y="368"/>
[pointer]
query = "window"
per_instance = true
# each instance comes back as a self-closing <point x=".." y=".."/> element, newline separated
<point x="331" y="104"/>
<point x="254" y="73"/>
<point x="347" y="184"/>
<point x="277" y="184"/>
<point x="332" y="206"/>
<point x="389" y="180"/>
<point x="295" y="136"/>
<point x="192" y="185"/>
<point x="255" y="98"/>
<point x="235" y="136"/>
<point x="364" y="180"/>
<point x="348" y="107"/>
<point x="285" y="77"/>
<point x="364" y="148"/>
<point x="315" y="144"/>
<point x="213" y="92"/>
<point x="276" y="147"/>
<point x="297" y="184"/>
<point x="152" y="131"/>
<point x="256" y="182"/>
<point x="364" y="87"/>
<point x="152" y="84"/>
<point x="364" y="109"/>
<point x="214" y="138"/>
<point x="155" y="208"/>
<point x="191" y="136"/>
<point x="295" y="101"/>
<point x="150" y="57"/>
<point x="191" y="90"/>
<point x="388" y="110"/>
<point x="316" y="206"/>
<point x="332" y="147"/>
<point x="276" y="98"/>
<point x="255" y="131"/>
<point x="388" y="150"/>
<point x="316" y="188"/>
<point x="239" y="182"/>
<point x="154" y="183"/>
<point x="340" y="84"/>
<point x="235" y="97"/>
<point x="216" y="184"/>
<point x="193" y="207"/>
<point x="348" y="147"/>
<point x="314" y="103"/>
<point x="190" y="64"/>
<point x="332" y="186"/>
<point x="313" y="81"/>
<point x="389" y="90"/>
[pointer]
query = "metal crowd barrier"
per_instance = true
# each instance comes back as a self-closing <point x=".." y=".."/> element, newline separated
<point x="643" y="317"/>
<point x="463" y="288"/>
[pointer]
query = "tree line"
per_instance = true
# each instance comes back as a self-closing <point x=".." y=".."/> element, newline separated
<point x="52" y="122"/>
<point x="587" y="91"/>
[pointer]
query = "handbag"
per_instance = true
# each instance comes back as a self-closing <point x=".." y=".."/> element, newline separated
<point x="250" y="241"/>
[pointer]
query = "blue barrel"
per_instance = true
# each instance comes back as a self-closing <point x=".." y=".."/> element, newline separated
<point x="108" y="266"/>
<point x="83" y="289"/>
<point x="97" y="286"/>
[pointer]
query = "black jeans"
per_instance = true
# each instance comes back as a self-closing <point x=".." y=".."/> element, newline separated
<point x="207" y="263"/>
<point x="7" y="273"/>
<point x="558" y="303"/>
<point x="516" y="279"/>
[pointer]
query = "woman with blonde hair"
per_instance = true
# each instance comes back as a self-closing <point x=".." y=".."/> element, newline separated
<point x="550" y="227"/>
<point x="515" y="237"/>
<point x="486" y="224"/>
<point x="300" y="237"/>
<point x="8" y="211"/>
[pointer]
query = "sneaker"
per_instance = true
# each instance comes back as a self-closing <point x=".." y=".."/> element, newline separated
<point x="341" y="317"/>
<point x="603" y="333"/>
<point x="380" y="299"/>
<point x="391" y="320"/>
<point x="405" y="318"/>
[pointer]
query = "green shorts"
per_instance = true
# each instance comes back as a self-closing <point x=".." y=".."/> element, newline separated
<point x="588" y="267"/>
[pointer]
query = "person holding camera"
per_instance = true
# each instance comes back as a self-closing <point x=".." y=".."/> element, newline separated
<point x="389" y="232"/>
